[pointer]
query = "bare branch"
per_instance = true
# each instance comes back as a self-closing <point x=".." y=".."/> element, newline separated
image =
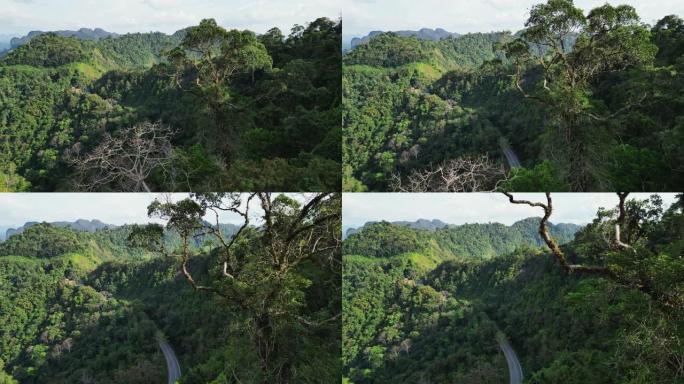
<point x="553" y="245"/>
<point x="124" y="160"/>
<point x="457" y="175"/>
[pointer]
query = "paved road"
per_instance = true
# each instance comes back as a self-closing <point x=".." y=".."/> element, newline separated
<point x="514" y="368"/>
<point x="511" y="157"/>
<point x="172" y="364"/>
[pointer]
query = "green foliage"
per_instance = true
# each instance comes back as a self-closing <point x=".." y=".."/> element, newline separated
<point x="398" y="116"/>
<point x="42" y="241"/>
<point x="607" y="98"/>
<point x="404" y="323"/>
<point x="469" y="241"/>
<point x="11" y="182"/>
<point x="79" y="306"/>
<point x="48" y="50"/>
<point x="543" y="177"/>
<point x="250" y="106"/>
<point x="387" y="50"/>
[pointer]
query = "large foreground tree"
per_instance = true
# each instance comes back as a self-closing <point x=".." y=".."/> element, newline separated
<point x="206" y="65"/>
<point x="558" y="58"/>
<point x="259" y="269"/>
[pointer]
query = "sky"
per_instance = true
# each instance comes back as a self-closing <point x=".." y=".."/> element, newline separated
<point x="111" y="208"/>
<point x="461" y="208"/>
<point x="463" y="16"/>
<point x="18" y="17"/>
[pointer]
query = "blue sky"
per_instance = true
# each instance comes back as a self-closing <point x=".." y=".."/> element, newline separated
<point x="462" y="16"/>
<point x="18" y="17"/>
<point x="460" y="208"/>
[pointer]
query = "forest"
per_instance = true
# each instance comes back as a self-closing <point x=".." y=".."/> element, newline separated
<point x="204" y="109"/>
<point x="603" y="303"/>
<point x="257" y="302"/>
<point x="576" y="101"/>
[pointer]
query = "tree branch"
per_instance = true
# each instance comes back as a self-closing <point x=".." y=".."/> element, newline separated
<point x="553" y="245"/>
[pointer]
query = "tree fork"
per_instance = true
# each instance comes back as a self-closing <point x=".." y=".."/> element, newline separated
<point x="553" y="245"/>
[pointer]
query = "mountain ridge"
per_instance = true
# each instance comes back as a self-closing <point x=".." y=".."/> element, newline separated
<point x="477" y="241"/>
<point x="417" y="224"/>
<point x="81" y="225"/>
<point x="435" y="224"/>
<point x="422" y="34"/>
<point x="82" y="34"/>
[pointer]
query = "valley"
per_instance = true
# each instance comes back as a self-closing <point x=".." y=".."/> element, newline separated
<point x="421" y="109"/>
<point x="148" y="303"/>
<point x="207" y="108"/>
<point x="455" y="304"/>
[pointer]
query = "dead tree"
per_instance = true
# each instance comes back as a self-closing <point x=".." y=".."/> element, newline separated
<point x="126" y="159"/>
<point x="463" y="174"/>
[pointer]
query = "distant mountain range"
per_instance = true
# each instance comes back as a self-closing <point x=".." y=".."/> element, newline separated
<point x="430" y="225"/>
<point x="83" y="34"/>
<point x="5" y="42"/>
<point x="436" y="242"/>
<point x="97" y="225"/>
<point x="78" y="225"/>
<point x="422" y="34"/>
<point x="3" y="230"/>
<point x="433" y="225"/>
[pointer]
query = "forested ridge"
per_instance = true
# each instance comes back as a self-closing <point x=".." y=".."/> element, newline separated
<point x="477" y="241"/>
<point x="588" y="101"/>
<point x="203" y="109"/>
<point x="411" y="321"/>
<point x="88" y="307"/>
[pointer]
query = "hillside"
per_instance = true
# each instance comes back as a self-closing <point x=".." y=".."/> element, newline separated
<point x="81" y="34"/>
<point x="422" y="34"/>
<point x="90" y="306"/>
<point x="464" y="242"/>
<point x="417" y="113"/>
<point x="418" y="224"/>
<point x="407" y="321"/>
<point x="78" y="225"/>
<point x="68" y="101"/>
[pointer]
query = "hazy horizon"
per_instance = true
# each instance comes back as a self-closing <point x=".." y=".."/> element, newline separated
<point x="462" y="16"/>
<point x="19" y="17"/>
<point x="16" y="209"/>
<point x="468" y="208"/>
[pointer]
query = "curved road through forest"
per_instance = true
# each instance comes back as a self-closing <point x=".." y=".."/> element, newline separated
<point x="172" y="364"/>
<point x="514" y="368"/>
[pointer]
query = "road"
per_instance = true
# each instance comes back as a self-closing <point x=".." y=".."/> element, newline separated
<point x="511" y="157"/>
<point x="514" y="368"/>
<point x="172" y="364"/>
